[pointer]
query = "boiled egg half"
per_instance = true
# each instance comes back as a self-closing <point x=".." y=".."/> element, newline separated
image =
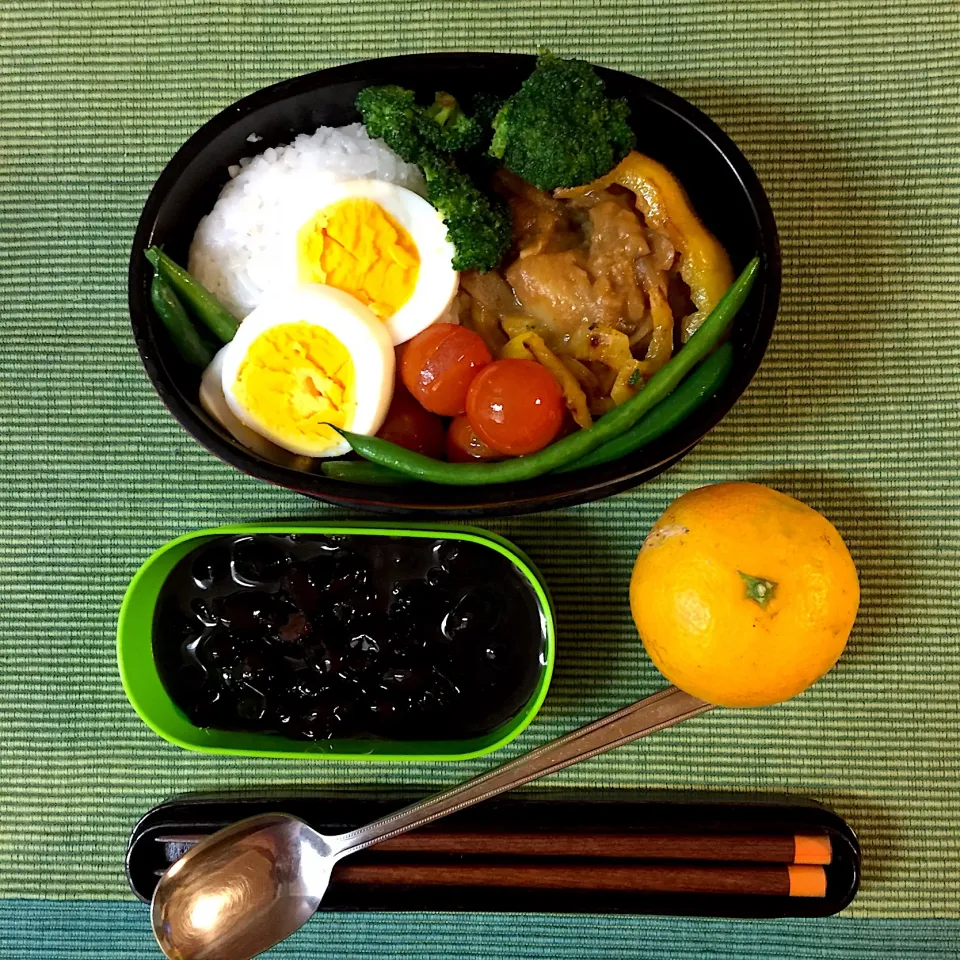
<point x="385" y="246"/>
<point x="308" y="359"/>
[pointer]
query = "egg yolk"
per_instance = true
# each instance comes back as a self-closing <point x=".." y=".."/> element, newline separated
<point x="296" y="379"/>
<point x="357" y="247"/>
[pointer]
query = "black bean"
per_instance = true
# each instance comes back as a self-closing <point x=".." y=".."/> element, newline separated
<point x="295" y="629"/>
<point x="175" y="623"/>
<point x="320" y="721"/>
<point x="349" y="578"/>
<point x="212" y="708"/>
<point x="462" y="560"/>
<point x="402" y="679"/>
<point x="245" y="612"/>
<point x="417" y="604"/>
<point x="201" y="609"/>
<point x="256" y="561"/>
<point x="218" y="646"/>
<point x="475" y="616"/>
<point x="347" y="637"/>
<point x="496" y="655"/>
<point x="305" y="587"/>
<point x="307" y="688"/>
<point x="251" y="704"/>
<point x="211" y="566"/>
<point x="322" y="658"/>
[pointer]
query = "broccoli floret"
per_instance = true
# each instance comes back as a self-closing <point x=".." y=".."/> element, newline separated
<point x="485" y="107"/>
<point x="453" y="129"/>
<point x="559" y="129"/>
<point x="393" y="114"/>
<point x="478" y="226"/>
<point x="390" y="113"/>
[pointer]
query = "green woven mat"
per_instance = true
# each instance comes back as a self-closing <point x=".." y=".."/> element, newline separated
<point x="105" y="930"/>
<point x="851" y="114"/>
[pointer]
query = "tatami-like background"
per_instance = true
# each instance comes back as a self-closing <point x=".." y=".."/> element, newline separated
<point x="850" y="112"/>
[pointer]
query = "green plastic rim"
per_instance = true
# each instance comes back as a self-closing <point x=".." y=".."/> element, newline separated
<point x="149" y="698"/>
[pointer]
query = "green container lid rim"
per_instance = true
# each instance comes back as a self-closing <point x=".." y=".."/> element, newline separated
<point x="130" y="644"/>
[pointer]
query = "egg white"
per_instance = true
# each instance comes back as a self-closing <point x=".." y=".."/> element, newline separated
<point x="363" y="335"/>
<point x="437" y="281"/>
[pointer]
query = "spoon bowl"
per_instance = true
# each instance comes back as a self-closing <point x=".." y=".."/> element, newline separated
<point x="242" y="890"/>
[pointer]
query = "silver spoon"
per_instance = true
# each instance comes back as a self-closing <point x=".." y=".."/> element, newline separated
<point x="249" y="886"/>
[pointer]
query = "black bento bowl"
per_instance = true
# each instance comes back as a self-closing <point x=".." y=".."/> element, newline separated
<point x="723" y="188"/>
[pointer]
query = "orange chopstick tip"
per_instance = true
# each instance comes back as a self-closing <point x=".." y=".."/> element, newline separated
<point x="812" y="849"/>
<point x="807" y="880"/>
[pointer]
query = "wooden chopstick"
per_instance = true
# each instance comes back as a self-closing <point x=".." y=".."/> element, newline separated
<point x="812" y="849"/>
<point x="757" y="865"/>
<point x="781" y="880"/>
<point x="731" y="848"/>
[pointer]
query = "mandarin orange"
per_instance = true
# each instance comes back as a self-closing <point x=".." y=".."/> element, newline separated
<point x="743" y="596"/>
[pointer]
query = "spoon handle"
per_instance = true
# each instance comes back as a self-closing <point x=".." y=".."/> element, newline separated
<point x="663" y="709"/>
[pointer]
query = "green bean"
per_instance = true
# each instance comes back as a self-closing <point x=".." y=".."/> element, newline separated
<point x="362" y="471"/>
<point x="701" y="384"/>
<point x="193" y="348"/>
<point x="577" y="445"/>
<point x="205" y="306"/>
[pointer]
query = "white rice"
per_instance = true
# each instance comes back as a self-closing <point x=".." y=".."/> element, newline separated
<point x="247" y="242"/>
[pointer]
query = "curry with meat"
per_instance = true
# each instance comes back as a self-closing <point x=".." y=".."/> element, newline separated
<point x="602" y="284"/>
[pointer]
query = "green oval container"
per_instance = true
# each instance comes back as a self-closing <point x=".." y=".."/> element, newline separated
<point x="149" y="698"/>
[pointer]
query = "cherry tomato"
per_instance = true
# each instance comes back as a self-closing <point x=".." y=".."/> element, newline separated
<point x="515" y="406"/>
<point x="439" y="364"/>
<point x="410" y="426"/>
<point x="463" y="445"/>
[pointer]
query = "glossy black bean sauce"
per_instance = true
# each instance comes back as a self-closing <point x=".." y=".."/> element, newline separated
<point x="314" y="637"/>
